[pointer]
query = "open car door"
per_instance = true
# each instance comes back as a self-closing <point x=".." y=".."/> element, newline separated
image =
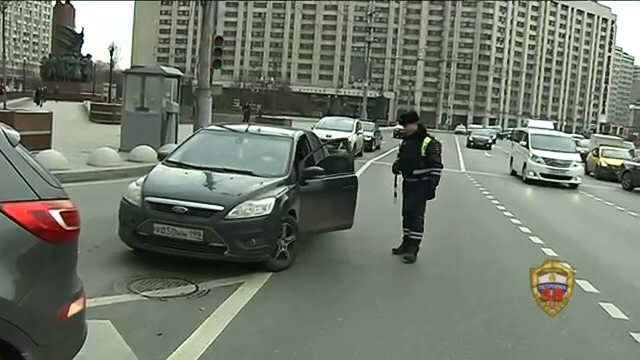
<point x="328" y="199"/>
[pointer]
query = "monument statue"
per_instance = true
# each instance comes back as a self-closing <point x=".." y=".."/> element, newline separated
<point x="66" y="61"/>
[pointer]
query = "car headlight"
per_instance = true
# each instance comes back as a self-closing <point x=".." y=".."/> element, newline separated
<point x="576" y="164"/>
<point x="133" y="194"/>
<point x="367" y="138"/>
<point x="471" y="138"/>
<point x="537" y="159"/>
<point x="252" y="208"/>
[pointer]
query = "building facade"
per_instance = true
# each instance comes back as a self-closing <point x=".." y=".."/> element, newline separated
<point x="635" y="86"/>
<point x="28" y="39"/>
<point x="454" y="62"/>
<point x="621" y="86"/>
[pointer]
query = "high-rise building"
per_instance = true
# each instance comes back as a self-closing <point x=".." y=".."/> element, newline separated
<point x="454" y="61"/>
<point x="621" y="84"/>
<point x="28" y="39"/>
<point x="635" y="87"/>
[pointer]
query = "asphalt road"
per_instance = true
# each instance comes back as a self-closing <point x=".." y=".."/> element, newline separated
<point x="347" y="297"/>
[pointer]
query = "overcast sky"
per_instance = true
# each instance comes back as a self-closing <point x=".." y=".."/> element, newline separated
<point x="112" y="21"/>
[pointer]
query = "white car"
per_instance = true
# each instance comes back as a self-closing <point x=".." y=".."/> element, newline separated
<point x="545" y="155"/>
<point x="338" y="130"/>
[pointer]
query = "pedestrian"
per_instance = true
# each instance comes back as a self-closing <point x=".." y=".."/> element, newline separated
<point x="56" y="93"/>
<point x="246" y="115"/>
<point x="37" y="93"/>
<point x="419" y="161"/>
<point x="43" y="95"/>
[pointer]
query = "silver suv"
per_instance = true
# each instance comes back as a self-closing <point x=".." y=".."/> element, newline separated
<point x="42" y="302"/>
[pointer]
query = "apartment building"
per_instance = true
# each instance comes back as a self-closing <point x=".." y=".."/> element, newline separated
<point x="28" y="39"/>
<point x="635" y="87"/>
<point x="621" y="86"/>
<point x="454" y="62"/>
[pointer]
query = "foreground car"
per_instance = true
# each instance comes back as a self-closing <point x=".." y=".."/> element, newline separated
<point x="372" y="136"/>
<point x="240" y="194"/>
<point x="630" y="176"/>
<point x="398" y="132"/>
<point x="42" y="302"/>
<point x="479" y="138"/>
<point x="341" y="133"/>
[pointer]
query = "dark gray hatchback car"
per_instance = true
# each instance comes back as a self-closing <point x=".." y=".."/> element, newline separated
<point x="42" y="302"/>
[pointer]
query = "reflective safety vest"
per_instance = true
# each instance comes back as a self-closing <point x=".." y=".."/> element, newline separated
<point x="423" y="147"/>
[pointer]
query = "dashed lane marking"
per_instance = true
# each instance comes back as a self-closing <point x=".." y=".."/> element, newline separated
<point x="536" y="240"/>
<point x="460" y="158"/>
<point x="608" y="203"/>
<point x="635" y="336"/>
<point x="486" y="193"/>
<point x="620" y="208"/>
<point x="633" y="213"/>
<point x="495" y="202"/>
<point x="613" y="311"/>
<point x="516" y="221"/>
<point x="549" y="252"/>
<point x="525" y="229"/>
<point x="500" y="207"/>
<point x="586" y="286"/>
<point x="506" y="213"/>
<point x="491" y="197"/>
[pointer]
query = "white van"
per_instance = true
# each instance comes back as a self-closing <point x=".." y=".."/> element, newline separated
<point x="545" y="155"/>
<point x="539" y="124"/>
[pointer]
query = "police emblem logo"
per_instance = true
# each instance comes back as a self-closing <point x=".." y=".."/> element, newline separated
<point x="552" y="286"/>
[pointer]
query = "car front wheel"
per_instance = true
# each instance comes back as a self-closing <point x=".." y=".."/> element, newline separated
<point x="626" y="181"/>
<point x="286" y="248"/>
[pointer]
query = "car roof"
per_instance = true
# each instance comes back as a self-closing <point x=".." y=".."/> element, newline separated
<point x="545" y="132"/>
<point x="338" y="117"/>
<point x="610" y="147"/>
<point x="261" y="129"/>
<point x="368" y="122"/>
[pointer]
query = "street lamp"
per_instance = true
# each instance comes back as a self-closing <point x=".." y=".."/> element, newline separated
<point x="112" y="50"/>
<point x="24" y="74"/>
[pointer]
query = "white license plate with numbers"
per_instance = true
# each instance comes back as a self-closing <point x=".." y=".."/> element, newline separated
<point x="177" y="232"/>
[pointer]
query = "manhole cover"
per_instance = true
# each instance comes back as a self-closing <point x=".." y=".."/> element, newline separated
<point x="163" y="288"/>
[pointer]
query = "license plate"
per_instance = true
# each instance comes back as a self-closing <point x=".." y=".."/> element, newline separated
<point x="177" y="232"/>
<point x="557" y="172"/>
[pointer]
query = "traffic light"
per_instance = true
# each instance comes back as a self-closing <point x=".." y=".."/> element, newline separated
<point x="216" y="61"/>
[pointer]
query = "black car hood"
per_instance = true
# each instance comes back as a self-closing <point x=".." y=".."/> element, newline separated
<point x="480" y="137"/>
<point x="225" y="189"/>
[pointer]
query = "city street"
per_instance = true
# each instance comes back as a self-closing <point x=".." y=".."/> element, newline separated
<point x="347" y="297"/>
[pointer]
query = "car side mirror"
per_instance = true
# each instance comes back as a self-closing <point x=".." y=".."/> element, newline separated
<point x="165" y="150"/>
<point x="523" y="143"/>
<point x="313" y="127"/>
<point x="312" y="172"/>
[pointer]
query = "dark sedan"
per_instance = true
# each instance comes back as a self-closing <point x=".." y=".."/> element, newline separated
<point x="630" y="176"/>
<point x="398" y="132"/>
<point x="480" y="138"/>
<point x="240" y="193"/>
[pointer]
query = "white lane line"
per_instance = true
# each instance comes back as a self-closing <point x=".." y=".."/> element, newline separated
<point x="516" y="221"/>
<point x="536" y="240"/>
<point x="209" y="330"/>
<point x="118" y="299"/>
<point x="597" y="199"/>
<point x="506" y="213"/>
<point x="549" y="252"/>
<point x="491" y="197"/>
<point x="632" y="213"/>
<point x="460" y="158"/>
<point x="495" y="202"/>
<point x="501" y="208"/>
<point x="481" y="188"/>
<point x="371" y="161"/>
<point x="525" y="229"/>
<point x="613" y="311"/>
<point x="635" y="336"/>
<point x="620" y="208"/>
<point x="609" y="203"/>
<point x="568" y="266"/>
<point x="486" y="193"/>
<point x="587" y="287"/>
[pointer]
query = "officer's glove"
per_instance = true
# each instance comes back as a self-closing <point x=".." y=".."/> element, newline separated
<point x="395" y="169"/>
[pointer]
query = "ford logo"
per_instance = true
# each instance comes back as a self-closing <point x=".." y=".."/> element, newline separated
<point x="179" y="209"/>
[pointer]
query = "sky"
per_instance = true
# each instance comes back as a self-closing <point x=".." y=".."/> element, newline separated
<point x="112" y="21"/>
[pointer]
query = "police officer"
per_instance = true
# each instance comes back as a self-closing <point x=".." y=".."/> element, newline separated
<point x="419" y="161"/>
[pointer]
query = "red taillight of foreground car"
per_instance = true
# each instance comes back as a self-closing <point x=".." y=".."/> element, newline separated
<point x="76" y="306"/>
<point x="56" y="222"/>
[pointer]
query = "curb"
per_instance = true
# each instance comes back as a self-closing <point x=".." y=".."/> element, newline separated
<point x="120" y="172"/>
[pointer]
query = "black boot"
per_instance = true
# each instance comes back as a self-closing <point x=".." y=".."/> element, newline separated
<point x="401" y="249"/>
<point x="411" y="254"/>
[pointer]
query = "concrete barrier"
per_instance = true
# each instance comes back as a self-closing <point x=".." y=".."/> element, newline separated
<point x="272" y="120"/>
<point x="34" y="126"/>
<point x="104" y="113"/>
<point x="104" y="157"/>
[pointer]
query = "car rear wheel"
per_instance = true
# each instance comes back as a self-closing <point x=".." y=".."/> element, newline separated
<point x="286" y="248"/>
<point x="626" y="181"/>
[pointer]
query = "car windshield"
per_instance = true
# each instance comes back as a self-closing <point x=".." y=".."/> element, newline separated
<point x="336" y="124"/>
<point x="620" y="154"/>
<point x="554" y="143"/>
<point x="481" y="132"/>
<point x="367" y="126"/>
<point x="231" y="151"/>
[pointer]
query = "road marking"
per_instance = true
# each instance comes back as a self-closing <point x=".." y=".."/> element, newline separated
<point x="506" y="213"/>
<point x="633" y="213"/>
<point x="525" y="229"/>
<point x="568" y="266"/>
<point x="587" y="287"/>
<point x="635" y="336"/>
<point x="491" y="197"/>
<point x="620" y="208"/>
<point x="500" y="207"/>
<point x="536" y="240"/>
<point x="118" y="299"/>
<point x="613" y="311"/>
<point x="481" y="189"/>
<point x="486" y="154"/>
<point x="597" y="199"/>
<point x="495" y="202"/>
<point x="460" y="158"/>
<point x="364" y="167"/>
<point x="200" y="340"/>
<point x="486" y="193"/>
<point x="608" y="203"/>
<point x="549" y="252"/>
<point x="516" y="221"/>
<point x="104" y="342"/>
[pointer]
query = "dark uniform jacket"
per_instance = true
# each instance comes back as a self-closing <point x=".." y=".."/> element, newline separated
<point x="420" y="160"/>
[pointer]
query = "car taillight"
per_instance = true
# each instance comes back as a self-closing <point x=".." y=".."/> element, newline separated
<point x="55" y="222"/>
<point x="71" y="309"/>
